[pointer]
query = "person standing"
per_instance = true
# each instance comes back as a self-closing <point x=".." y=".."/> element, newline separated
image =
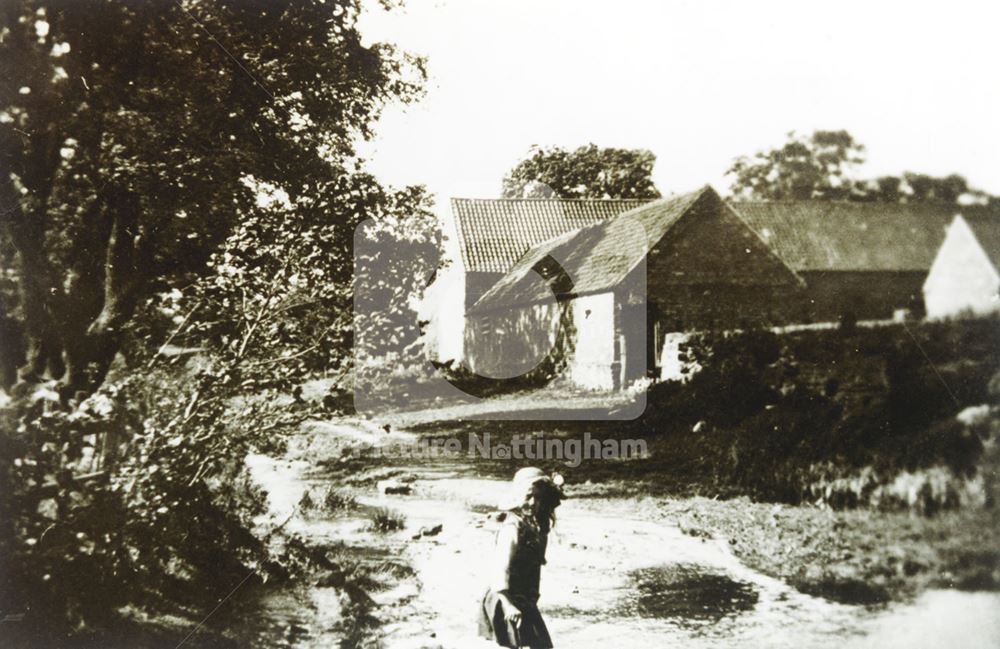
<point x="509" y="613"/>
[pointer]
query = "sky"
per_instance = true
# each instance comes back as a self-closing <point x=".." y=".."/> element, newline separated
<point x="696" y="82"/>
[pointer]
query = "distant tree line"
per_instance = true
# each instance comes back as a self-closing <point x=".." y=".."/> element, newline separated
<point x="819" y="166"/>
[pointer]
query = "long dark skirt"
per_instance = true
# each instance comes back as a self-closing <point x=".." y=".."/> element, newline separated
<point x="530" y="632"/>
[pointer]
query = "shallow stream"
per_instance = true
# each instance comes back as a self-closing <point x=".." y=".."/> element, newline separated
<point x="617" y="575"/>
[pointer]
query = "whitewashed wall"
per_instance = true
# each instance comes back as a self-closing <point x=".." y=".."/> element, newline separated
<point x="962" y="279"/>
<point x="443" y="304"/>
<point x="443" y="308"/>
<point x="589" y="366"/>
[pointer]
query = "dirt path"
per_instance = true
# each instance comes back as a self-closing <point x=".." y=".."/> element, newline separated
<point x="619" y="574"/>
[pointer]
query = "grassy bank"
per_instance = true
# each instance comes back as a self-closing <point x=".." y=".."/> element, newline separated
<point x="892" y="418"/>
<point x="855" y="556"/>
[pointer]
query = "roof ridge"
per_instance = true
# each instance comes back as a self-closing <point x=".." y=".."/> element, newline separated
<point x="552" y="200"/>
<point x="586" y="250"/>
<point x="690" y="196"/>
<point x="841" y="201"/>
<point x="991" y="216"/>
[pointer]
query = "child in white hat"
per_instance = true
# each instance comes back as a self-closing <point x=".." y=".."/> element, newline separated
<point x="509" y="614"/>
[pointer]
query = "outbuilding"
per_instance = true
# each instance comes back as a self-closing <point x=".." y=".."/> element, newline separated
<point x="965" y="276"/>
<point x="860" y="260"/>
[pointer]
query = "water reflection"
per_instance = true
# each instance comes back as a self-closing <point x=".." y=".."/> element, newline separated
<point x="688" y="594"/>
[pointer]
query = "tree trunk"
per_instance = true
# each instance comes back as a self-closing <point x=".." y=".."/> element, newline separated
<point x="43" y="358"/>
<point x="88" y="359"/>
<point x="38" y="286"/>
<point x="89" y="353"/>
<point x="64" y="338"/>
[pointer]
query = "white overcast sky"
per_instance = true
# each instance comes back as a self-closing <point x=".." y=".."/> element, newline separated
<point x="698" y="82"/>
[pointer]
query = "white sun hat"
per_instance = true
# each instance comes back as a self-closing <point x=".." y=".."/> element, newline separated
<point x="523" y="482"/>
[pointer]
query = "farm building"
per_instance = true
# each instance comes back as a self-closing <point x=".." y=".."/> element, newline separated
<point x="493" y="234"/>
<point x="868" y="261"/>
<point x="601" y="299"/>
<point x="965" y="275"/>
<point x="488" y="237"/>
<point x="863" y="260"/>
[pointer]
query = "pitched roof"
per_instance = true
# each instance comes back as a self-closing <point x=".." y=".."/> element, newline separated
<point x="595" y="258"/>
<point x="847" y="236"/>
<point x="987" y="231"/>
<point x="494" y="233"/>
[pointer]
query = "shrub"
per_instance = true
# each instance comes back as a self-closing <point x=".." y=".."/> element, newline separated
<point x="127" y="536"/>
<point x="834" y="415"/>
<point x="384" y="520"/>
<point x="731" y="385"/>
<point x="306" y="502"/>
<point x="336" y="500"/>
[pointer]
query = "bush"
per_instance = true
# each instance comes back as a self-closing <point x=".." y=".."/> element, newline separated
<point x="80" y="549"/>
<point x="336" y="500"/>
<point x="731" y="385"/>
<point x="384" y="520"/>
<point x="834" y="415"/>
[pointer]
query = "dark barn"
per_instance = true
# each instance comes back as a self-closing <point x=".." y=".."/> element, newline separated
<point x="859" y="260"/>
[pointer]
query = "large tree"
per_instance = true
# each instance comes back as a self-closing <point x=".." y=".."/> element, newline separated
<point x="587" y="172"/>
<point x="804" y="167"/>
<point x="182" y="173"/>
<point x="134" y="135"/>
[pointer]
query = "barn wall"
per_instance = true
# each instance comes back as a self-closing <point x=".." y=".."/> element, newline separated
<point x="721" y="307"/>
<point x="511" y="343"/>
<point x="474" y="286"/>
<point x="713" y="272"/>
<point x="571" y="340"/>
<point x="866" y="295"/>
<point x="962" y="279"/>
<point x="443" y="308"/>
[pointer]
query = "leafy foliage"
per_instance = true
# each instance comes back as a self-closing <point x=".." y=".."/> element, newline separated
<point x="821" y="166"/>
<point x="816" y="166"/>
<point x="839" y="415"/>
<point x="384" y="520"/>
<point x="335" y="500"/>
<point x="175" y="427"/>
<point x="79" y="549"/>
<point x="587" y="172"/>
<point x="129" y="132"/>
<point x="395" y="259"/>
<point x="202" y="225"/>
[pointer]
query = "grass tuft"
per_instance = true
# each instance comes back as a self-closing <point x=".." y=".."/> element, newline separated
<point x="336" y="500"/>
<point x="384" y="520"/>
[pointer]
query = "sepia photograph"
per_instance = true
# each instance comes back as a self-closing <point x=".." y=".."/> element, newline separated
<point x="458" y="324"/>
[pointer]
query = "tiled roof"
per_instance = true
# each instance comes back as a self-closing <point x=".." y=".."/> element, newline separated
<point x="987" y="231"/>
<point x="846" y="236"/>
<point x="596" y="257"/>
<point x="494" y="233"/>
